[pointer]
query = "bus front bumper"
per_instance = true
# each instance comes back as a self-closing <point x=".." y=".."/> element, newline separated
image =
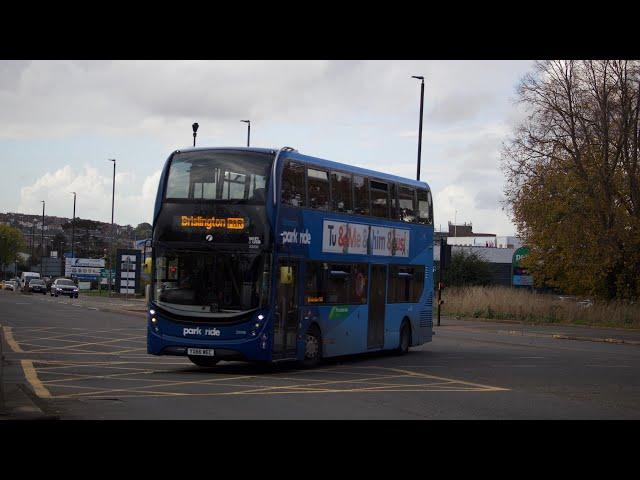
<point x="253" y="349"/>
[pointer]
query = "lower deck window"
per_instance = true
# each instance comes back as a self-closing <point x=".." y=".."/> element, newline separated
<point x="405" y="283"/>
<point x="335" y="283"/>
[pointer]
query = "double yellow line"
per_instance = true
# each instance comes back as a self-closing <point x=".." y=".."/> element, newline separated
<point x="27" y="365"/>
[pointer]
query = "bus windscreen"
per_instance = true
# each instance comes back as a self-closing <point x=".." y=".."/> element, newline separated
<point x="209" y="283"/>
<point x="219" y="176"/>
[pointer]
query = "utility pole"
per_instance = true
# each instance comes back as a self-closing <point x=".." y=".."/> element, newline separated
<point x="113" y="196"/>
<point x="33" y="226"/>
<point x="73" y="226"/>
<point x="248" y="122"/>
<point x="42" y="239"/>
<point x="420" y="128"/>
<point x="442" y="266"/>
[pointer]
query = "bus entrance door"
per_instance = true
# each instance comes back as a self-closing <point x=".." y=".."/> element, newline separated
<point x="377" y="299"/>
<point x="285" y="328"/>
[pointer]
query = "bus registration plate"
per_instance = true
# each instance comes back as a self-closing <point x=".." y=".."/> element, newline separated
<point x="206" y="352"/>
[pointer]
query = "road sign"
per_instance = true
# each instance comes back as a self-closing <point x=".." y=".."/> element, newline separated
<point x="85" y="268"/>
<point x="104" y="273"/>
<point x="520" y="275"/>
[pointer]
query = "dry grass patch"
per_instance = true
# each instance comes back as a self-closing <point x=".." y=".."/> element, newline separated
<point x="522" y="305"/>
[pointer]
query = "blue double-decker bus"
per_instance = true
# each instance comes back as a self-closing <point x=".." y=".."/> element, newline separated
<point x="266" y="255"/>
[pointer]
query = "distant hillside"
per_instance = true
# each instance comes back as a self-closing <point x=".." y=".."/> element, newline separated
<point x="91" y="236"/>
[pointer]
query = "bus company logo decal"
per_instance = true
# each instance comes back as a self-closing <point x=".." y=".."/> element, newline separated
<point x="208" y="223"/>
<point x="212" y="332"/>
<point x="295" y="237"/>
<point x="356" y="238"/>
<point x="338" y="312"/>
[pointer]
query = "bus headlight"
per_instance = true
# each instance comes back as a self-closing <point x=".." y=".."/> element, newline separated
<point x="260" y="317"/>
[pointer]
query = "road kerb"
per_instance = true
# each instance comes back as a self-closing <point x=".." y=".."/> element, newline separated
<point x="560" y="336"/>
<point x="595" y="339"/>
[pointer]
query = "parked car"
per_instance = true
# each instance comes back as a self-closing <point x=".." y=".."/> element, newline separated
<point x="64" y="286"/>
<point x="11" y="285"/>
<point x="36" y="285"/>
<point x="27" y="276"/>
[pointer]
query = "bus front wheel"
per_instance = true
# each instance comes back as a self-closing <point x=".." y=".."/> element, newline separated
<point x="312" y="347"/>
<point x="203" y="361"/>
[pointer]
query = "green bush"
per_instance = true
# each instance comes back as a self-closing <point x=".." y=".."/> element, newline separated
<point x="466" y="269"/>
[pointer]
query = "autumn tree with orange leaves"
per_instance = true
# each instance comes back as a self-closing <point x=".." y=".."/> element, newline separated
<point x="573" y="178"/>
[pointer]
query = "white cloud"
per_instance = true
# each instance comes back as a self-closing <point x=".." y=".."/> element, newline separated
<point x="133" y="204"/>
<point x="455" y="203"/>
<point x="358" y="112"/>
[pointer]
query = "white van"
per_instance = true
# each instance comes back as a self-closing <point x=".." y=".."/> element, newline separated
<point x="26" y="276"/>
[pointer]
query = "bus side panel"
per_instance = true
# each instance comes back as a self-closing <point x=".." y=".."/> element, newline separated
<point x="396" y="312"/>
<point x="424" y="311"/>
<point x="343" y="328"/>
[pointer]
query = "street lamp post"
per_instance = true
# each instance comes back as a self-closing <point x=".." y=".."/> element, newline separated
<point x="248" y="122"/>
<point x="195" y="131"/>
<point x="73" y="226"/>
<point x="33" y="226"/>
<point x="113" y="196"/>
<point x="42" y="239"/>
<point x="420" y="128"/>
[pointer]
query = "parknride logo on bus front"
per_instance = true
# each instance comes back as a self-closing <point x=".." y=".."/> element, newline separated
<point x="212" y="332"/>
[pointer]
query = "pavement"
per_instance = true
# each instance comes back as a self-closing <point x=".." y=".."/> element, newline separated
<point x="86" y="359"/>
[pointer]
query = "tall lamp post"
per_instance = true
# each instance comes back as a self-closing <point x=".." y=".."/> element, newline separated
<point x="42" y="238"/>
<point x="195" y="131"/>
<point x="33" y="226"/>
<point x="73" y="226"/>
<point x="113" y="196"/>
<point x="248" y="122"/>
<point x="420" y="128"/>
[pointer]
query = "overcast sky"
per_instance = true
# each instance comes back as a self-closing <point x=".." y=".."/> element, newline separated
<point x="61" y="120"/>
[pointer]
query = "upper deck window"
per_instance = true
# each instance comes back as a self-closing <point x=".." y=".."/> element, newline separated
<point x="318" y="184"/>
<point x="293" y="191"/>
<point x="406" y="204"/>
<point x="425" y="207"/>
<point x="379" y="199"/>
<point x="218" y="175"/>
<point x="341" y="197"/>
<point x="361" y="195"/>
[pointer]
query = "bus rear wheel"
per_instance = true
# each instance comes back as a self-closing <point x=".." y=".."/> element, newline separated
<point x="312" y="348"/>
<point x="203" y="361"/>
<point x="405" y="338"/>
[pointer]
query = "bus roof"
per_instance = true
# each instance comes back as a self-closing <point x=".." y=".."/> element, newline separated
<point x="320" y="162"/>
<point x="270" y="151"/>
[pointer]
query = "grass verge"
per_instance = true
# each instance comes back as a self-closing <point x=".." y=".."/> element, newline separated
<point x="502" y="303"/>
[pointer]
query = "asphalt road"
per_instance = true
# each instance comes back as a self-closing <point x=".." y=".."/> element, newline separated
<point x="89" y="364"/>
